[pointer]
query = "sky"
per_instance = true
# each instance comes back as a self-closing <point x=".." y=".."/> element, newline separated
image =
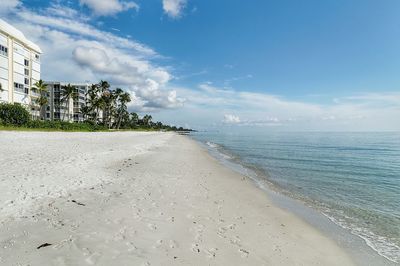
<point x="277" y="65"/>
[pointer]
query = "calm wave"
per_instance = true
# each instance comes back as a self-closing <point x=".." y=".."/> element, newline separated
<point x="352" y="178"/>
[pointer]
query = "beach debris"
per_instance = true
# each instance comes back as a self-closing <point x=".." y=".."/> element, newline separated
<point x="79" y="203"/>
<point x="44" y="245"/>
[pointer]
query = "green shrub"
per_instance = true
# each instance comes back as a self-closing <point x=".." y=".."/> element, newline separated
<point x="14" y="114"/>
<point x="64" y="126"/>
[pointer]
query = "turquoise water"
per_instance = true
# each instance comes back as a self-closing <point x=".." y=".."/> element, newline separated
<point x="352" y="178"/>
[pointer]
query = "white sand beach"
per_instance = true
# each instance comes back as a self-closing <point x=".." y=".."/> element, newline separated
<point x="127" y="198"/>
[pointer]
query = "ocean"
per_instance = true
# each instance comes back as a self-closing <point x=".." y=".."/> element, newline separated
<point x="351" y="178"/>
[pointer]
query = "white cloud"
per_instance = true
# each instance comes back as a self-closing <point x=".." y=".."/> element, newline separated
<point x="109" y="7"/>
<point x="209" y="88"/>
<point x="75" y="51"/>
<point x="8" y="5"/>
<point x="153" y="98"/>
<point x="375" y="98"/>
<point x="174" y="8"/>
<point x="80" y="29"/>
<point x="228" y="82"/>
<point x="231" y="119"/>
<point x="378" y="111"/>
<point x="56" y="9"/>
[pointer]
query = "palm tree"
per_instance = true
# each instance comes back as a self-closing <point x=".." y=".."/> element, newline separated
<point x="147" y="120"/>
<point x="85" y="111"/>
<point x="90" y="110"/>
<point x="68" y="92"/>
<point x="134" y="119"/>
<point x="109" y="98"/>
<point x="41" y="89"/>
<point x="123" y="99"/>
<point x="104" y="100"/>
<point x="159" y="125"/>
<point x="104" y="85"/>
<point x="99" y="104"/>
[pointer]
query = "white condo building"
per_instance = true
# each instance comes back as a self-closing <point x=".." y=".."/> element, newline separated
<point x="56" y="109"/>
<point x="19" y="65"/>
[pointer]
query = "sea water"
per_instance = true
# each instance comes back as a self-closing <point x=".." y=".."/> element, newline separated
<point x="351" y="178"/>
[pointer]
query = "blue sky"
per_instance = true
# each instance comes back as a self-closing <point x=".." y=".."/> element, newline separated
<point x="290" y="65"/>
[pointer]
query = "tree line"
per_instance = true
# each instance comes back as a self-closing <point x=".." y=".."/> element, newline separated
<point x="104" y="106"/>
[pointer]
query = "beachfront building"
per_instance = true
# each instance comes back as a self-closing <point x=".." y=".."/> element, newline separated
<point x="62" y="109"/>
<point x="19" y="67"/>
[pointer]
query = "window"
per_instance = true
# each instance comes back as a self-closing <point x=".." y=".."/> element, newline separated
<point x="3" y="50"/>
<point x="26" y="72"/>
<point x="20" y="88"/>
<point x="26" y="81"/>
<point x="26" y="62"/>
<point x="37" y="56"/>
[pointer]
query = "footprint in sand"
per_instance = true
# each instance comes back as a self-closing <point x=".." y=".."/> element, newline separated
<point x="120" y="235"/>
<point x="152" y="226"/>
<point x="221" y="232"/>
<point x="195" y="248"/>
<point x="198" y="231"/>
<point x="158" y="243"/>
<point x="211" y="253"/>
<point x="232" y="226"/>
<point x="235" y="241"/>
<point x="244" y="253"/>
<point x="173" y="244"/>
<point x="92" y="259"/>
<point x="131" y="247"/>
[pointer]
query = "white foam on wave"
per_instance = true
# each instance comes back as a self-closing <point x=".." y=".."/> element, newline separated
<point x="380" y="244"/>
<point x="212" y="145"/>
<point x="219" y="150"/>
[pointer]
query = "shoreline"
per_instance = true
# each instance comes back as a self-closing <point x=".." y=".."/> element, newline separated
<point x="117" y="205"/>
<point x="357" y="246"/>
